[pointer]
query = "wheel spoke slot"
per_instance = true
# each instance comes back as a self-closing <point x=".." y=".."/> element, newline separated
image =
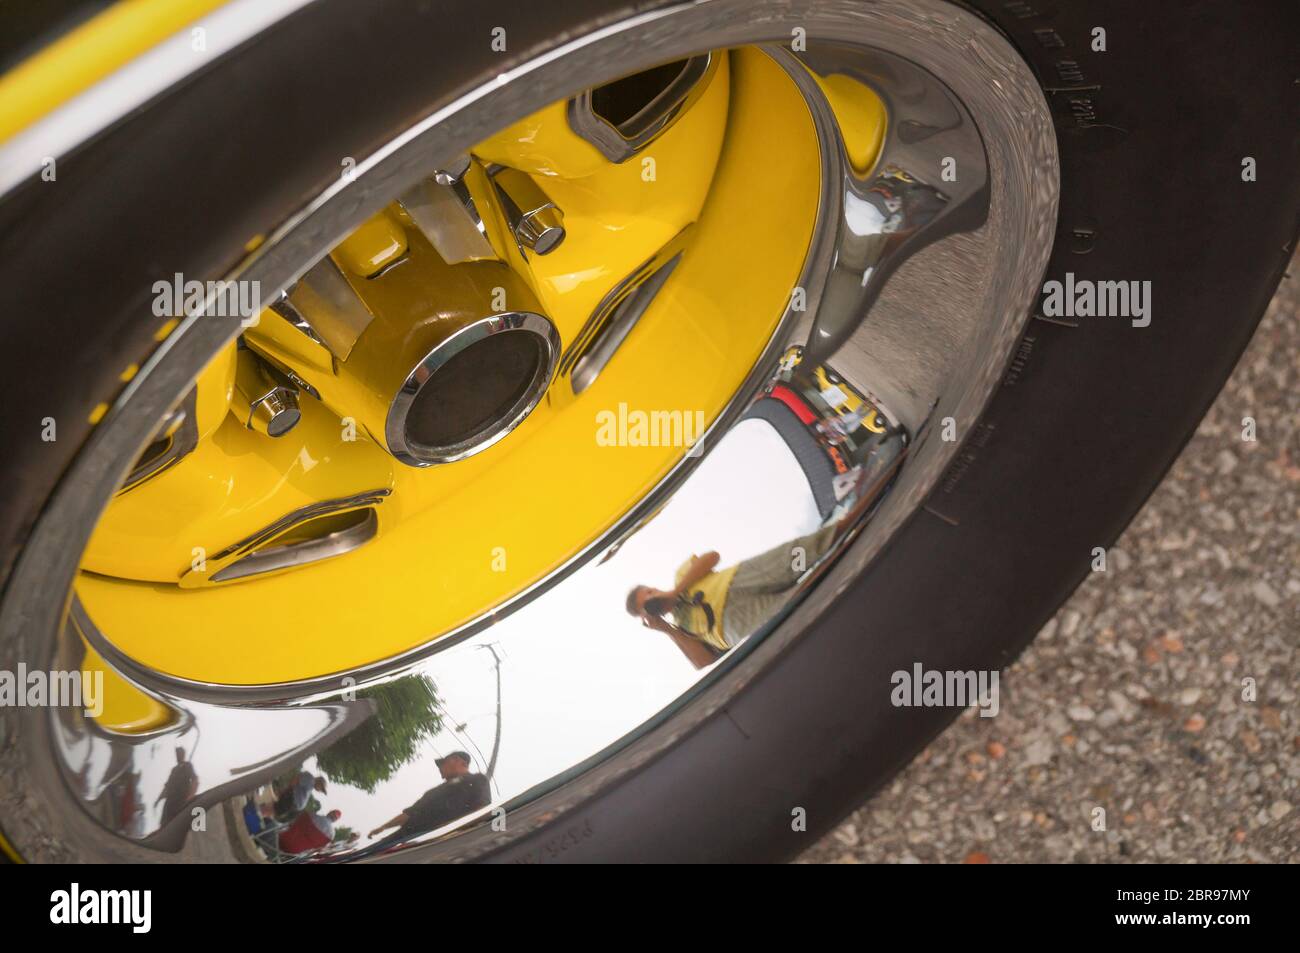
<point x="623" y="117"/>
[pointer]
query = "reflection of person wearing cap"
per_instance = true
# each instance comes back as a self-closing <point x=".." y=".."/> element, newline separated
<point x="461" y="792"/>
<point x="296" y="797"/>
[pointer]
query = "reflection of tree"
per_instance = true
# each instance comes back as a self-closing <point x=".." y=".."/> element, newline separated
<point x="405" y="714"/>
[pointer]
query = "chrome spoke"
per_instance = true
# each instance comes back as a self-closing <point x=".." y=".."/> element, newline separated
<point x="902" y="204"/>
<point x="446" y="212"/>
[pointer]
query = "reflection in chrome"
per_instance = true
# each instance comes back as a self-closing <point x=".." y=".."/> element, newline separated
<point x="145" y="787"/>
<point x="443" y="208"/>
<point x="904" y="202"/>
<point x="268" y="403"/>
<point x="695" y="576"/>
<point x="620" y="131"/>
<point x="176" y="437"/>
<point x="847" y="453"/>
<point x="285" y="308"/>
<point x="536" y="222"/>
<point x="402" y="431"/>
<point x="616" y="315"/>
<point x="827" y="455"/>
<point x="323" y="306"/>
<point x="308" y="535"/>
<point x="274" y="413"/>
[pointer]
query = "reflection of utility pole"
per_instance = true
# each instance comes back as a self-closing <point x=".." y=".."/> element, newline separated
<point x="496" y="742"/>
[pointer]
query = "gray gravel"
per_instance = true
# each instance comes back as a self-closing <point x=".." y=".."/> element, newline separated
<point x="1130" y="699"/>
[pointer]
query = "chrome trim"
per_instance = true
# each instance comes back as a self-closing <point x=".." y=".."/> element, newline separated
<point x="443" y="207"/>
<point x="275" y="413"/>
<point x="254" y="555"/>
<point x="890" y="212"/>
<point x="324" y="306"/>
<point x="181" y="429"/>
<point x="962" y="329"/>
<point x="274" y="558"/>
<point x="535" y="222"/>
<point x="264" y="399"/>
<point x="285" y="308"/>
<point x="617" y="314"/>
<point x="620" y="142"/>
<point x="125" y="781"/>
<point x="525" y="322"/>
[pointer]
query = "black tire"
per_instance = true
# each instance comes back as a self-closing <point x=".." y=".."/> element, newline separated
<point x="1152" y="134"/>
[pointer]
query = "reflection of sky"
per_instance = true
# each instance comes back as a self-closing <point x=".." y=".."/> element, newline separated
<point x="577" y="671"/>
<point x="862" y="216"/>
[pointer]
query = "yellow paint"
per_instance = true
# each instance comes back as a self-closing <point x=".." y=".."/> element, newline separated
<point x="537" y="496"/>
<point x="168" y="326"/>
<point x="235" y="482"/>
<point x="74" y="62"/>
<point x="543" y="144"/>
<point x="215" y="386"/>
<point x="379" y="242"/>
<point x="8" y="850"/>
<point x="98" y="413"/>
<point x="126" y="710"/>
<point x="862" y="117"/>
<point x="614" y="218"/>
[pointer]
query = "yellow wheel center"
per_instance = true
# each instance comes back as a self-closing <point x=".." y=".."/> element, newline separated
<point x="735" y="182"/>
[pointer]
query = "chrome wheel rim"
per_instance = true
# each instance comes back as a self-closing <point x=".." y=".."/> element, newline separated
<point x="931" y="349"/>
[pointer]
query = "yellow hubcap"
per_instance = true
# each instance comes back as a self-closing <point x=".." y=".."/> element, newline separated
<point x="734" y="182"/>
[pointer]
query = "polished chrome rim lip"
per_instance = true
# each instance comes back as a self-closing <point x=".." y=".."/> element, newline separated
<point x="676" y="31"/>
<point x="527" y="322"/>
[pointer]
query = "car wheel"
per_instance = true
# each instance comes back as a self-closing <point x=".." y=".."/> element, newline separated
<point x="533" y="435"/>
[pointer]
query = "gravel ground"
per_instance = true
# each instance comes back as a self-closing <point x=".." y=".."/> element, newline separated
<point x="1131" y="698"/>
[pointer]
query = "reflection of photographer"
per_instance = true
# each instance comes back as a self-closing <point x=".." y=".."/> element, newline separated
<point x="696" y="603"/>
<point x="714" y="610"/>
